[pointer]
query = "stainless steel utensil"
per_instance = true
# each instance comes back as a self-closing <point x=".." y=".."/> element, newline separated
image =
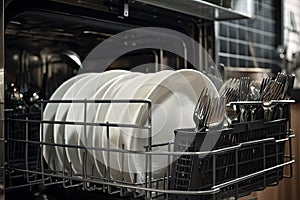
<point x="217" y="113"/>
<point x="231" y="111"/>
<point x="202" y="110"/>
<point x="244" y="94"/>
<point x="230" y="83"/>
<point x="272" y="91"/>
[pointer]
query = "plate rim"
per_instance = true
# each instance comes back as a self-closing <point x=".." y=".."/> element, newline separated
<point x="60" y="117"/>
<point x="46" y="135"/>
<point x="205" y="78"/>
<point x="103" y="119"/>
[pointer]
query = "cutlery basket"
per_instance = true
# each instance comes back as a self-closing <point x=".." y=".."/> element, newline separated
<point x="238" y="151"/>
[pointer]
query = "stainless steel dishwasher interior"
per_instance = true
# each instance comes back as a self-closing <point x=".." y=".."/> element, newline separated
<point x="36" y="34"/>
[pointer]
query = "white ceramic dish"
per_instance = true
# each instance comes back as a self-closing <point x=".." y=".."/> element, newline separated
<point x="100" y="168"/>
<point x="173" y="100"/>
<point x="76" y="114"/>
<point x="117" y="113"/>
<point x="61" y="114"/>
<point x="100" y="133"/>
<point x="49" y="152"/>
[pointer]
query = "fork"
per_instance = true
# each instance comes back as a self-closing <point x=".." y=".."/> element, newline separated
<point x="202" y="110"/>
<point x="244" y="93"/>
<point x="272" y="91"/>
<point x="287" y="81"/>
<point x="264" y="83"/>
<point x="217" y="113"/>
<point x="230" y="83"/>
<point x="217" y="81"/>
<point x="232" y="113"/>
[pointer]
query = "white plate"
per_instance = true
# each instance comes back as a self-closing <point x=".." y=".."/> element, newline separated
<point x="100" y="133"/>
<point x="61" y="114"/>
<point x="49" y="152"/>
<point x="173" y="101"/>
<point x="116" y="113"/>
<point x="90" y="142"/>
<point x="76" y="113"/>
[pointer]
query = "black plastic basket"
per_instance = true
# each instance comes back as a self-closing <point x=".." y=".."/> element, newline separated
<point x="256" y="153"/>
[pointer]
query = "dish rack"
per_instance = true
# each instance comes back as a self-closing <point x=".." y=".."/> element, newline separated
<point x="246" y="157"/>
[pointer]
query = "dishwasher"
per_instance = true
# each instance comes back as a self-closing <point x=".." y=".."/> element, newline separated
<point x="43" y="42"/>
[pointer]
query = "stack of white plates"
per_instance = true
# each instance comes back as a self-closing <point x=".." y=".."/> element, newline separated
<point x="173" y="94"/>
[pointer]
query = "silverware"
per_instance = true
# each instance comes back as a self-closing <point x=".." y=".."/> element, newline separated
<point x="230" y="83"/>
<point x="231" y="111"/>
<point x="264" y="83"/>
<point x="217" y="112"/>
<point x="217" y="81"/>
<point x="255" y="84"/>
<point x="272" y="91"/>
<point x="265" y="92"/>
<point x="254" y="90"/>
<point x="202" y="110"/>
<point x="288" y="81"/>
<point x="244" y="93"/>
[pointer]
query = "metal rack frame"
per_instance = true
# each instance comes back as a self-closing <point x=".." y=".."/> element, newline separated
<point x="34" y="170"/>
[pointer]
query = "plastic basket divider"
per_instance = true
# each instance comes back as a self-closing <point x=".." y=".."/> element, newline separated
<point x="250" y="158"/>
